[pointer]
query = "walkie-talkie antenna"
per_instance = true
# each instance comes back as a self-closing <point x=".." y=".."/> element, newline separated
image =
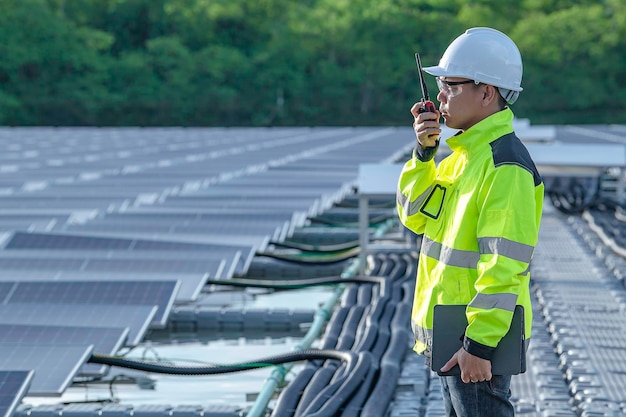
<point x="422" y="82"/>
<point x="427" y="105"/>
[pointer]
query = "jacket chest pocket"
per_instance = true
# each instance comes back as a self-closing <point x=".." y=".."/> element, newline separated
<point x="435" y="203"/>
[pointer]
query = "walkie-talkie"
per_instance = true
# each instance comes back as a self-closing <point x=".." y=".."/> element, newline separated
<point x="427" y="105"/>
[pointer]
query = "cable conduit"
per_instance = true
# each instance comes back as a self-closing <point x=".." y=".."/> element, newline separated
<point x="342" y="389"/>
<point x="390" y="364"/>
<point x="156" y="367"/>
<point x="301" y="283"/>
<point x="383" y="320"/>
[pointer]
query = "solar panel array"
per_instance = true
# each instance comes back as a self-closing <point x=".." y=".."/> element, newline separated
<point x="103" y="231"/>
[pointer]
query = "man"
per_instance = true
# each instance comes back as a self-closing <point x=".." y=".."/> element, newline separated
<point x="478" y="211"/>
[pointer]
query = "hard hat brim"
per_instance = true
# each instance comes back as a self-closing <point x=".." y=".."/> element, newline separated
<point x="437" y="71"/>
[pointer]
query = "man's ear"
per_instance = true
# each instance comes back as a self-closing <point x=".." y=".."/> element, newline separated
<point x="490" y="95"/>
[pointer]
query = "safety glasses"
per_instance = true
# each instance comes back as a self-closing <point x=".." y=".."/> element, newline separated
<point x="452" y="88"/>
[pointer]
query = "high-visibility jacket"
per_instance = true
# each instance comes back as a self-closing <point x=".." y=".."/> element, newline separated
<point x="479" y="212"/>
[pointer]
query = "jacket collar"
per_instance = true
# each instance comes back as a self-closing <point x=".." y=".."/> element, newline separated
<point x="483" y="132"/>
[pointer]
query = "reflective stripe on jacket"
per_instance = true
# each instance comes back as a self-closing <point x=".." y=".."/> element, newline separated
<point x="479" y="213"/>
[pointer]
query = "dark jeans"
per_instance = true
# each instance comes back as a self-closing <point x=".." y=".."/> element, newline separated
<point x="482" y="399"/>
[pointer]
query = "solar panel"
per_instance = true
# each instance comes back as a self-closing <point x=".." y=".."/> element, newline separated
<point x="198" y="217"/>
<point x="160" y="228"/>
<point x="13" y="387"/>
<point x="32" y="240"/>
<point x="252" y="239"/>
<point x="66" y="203"/>
<point x="46" y="264"/>
<point x="23" y="240"/>
<point x="105" y="340"/>
<point x="190" y="284"/>
<point x="91" y="246"/>
<point x="172" y="266"/>
<point x="148" y="293"/>
<point x="136" y="318"/>
<point x="105" y="254"/>
<point x="54" y="366"/>
<point x="112" y="261"/>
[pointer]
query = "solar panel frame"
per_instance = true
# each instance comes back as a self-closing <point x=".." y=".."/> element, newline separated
<point x="169" y="263"/>
<point x="81" y="242"/>
<point x="190" y="284"/>
<point x="24" y="241"/>
<point x="207" y="257"/>
<point x="158" y="293"/>
<point x="13" y="387"/>
<point x="43" y="244"/>
<point x="136" y="318"/>
<point x="55" y="366"/>
<point x="256" y="241"/>
<point x="105" y="340"/>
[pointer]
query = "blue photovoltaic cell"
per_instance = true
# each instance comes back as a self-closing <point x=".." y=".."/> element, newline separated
<point x="136" y="318"/>
<point x="54" y="366"/>
<point x="159" y="293"/>
<point x="105" y="340"/>
<point x="13" y="387"/>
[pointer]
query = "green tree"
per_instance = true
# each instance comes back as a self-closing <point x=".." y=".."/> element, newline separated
<point x="571" y="67"/>
<point x="280" y="62"/>
<point x="51" y="70"/>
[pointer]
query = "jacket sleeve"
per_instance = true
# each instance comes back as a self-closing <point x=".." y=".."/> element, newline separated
<point x="509" y="205"/>
<point x="414" y="186"/>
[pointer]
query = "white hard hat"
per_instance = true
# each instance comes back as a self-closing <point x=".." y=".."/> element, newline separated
<point x="485" y="55"/>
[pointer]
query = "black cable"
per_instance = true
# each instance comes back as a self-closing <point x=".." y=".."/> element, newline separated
<point x="349" y="296"/>
<point x="341" y="390"/>
<point x="371" y="221"/>
<point x="312" y="259"/>
<point x="566" y="203"/>
<point x="148" y="366"/>
<point x="334" y="326"/>
<point x="371" y="329"/>
<point x="384" y="333"/>
<point x="290" y="397"/>
<point x="350" y="327"/>
<point x="305" y="247"/>
<point x="384" y="203"/>
<point x="300" y="283"/>
<point x="390" y="363"/>
<point x="322" y="378"/>
<point x="364" y="295"/>
<point x="355" y="406"/>
<point x="572" y="195"/>
<point x="386" y="324"/>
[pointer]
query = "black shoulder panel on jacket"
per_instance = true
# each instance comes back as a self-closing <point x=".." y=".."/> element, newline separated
<point x="509" y="150"/>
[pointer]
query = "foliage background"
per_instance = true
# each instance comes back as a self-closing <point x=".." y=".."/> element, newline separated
<point x="291" y="62"/>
